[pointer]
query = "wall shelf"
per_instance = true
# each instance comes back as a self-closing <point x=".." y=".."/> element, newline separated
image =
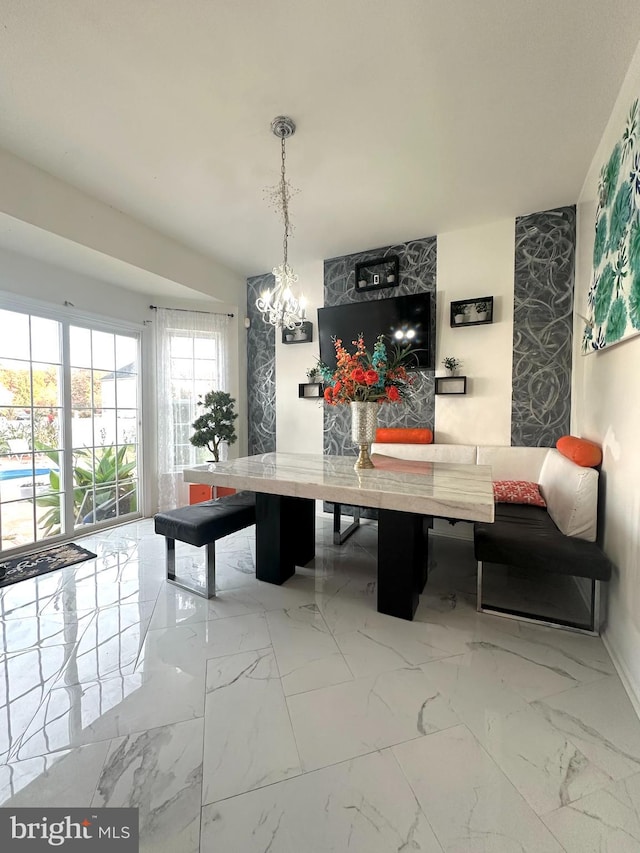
<point x="451" y="384"/>
<point x="301" y="335"/>
<point x="310" y="390"/>
<point x="378" y="273"/>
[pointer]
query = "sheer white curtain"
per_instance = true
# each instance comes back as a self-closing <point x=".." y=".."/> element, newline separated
<point x="192" y="358"/>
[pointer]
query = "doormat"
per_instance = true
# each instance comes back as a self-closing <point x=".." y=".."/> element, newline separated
<point x="25" y="566"/>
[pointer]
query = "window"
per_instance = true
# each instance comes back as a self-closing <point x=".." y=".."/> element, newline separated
<point x="104" y="423"/>
<point x="68" y="427"/>
<point x="194" y="372"/>
<point x="192" y="354"/>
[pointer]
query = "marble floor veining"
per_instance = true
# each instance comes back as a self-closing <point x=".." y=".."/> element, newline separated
<point x="297" y="719"/>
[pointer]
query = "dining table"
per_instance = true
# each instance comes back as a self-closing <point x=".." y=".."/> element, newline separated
<point x="406" y="496"/>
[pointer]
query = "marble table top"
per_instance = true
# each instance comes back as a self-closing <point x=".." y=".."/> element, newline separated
<point x="439" y="489"/>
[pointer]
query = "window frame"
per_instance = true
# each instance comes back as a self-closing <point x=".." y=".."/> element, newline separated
<point x="94" y="323"/>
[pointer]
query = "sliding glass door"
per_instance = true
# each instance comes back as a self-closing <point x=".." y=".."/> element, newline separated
<point x="104" y="424"/>
<point x="69" y="428"/>
<point x="31" y="408"/>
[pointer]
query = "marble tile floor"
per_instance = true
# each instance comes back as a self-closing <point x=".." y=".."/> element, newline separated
<point x="297" y="719"/>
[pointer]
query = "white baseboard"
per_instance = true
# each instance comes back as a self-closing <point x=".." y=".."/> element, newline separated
<point x="623" y="672"/>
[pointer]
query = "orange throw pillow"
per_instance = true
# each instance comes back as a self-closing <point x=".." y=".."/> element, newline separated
<point x="403" y="435"/>
<point x="583" y="452"/>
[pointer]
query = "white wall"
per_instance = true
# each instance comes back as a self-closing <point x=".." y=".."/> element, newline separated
<point x="299" y="422"/>
<point x="606" y="409"/>
<point x="477" y="262"/>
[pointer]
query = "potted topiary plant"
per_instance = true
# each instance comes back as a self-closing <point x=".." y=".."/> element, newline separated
<point x="215" y="424"/>
<point x="451" y="365"/>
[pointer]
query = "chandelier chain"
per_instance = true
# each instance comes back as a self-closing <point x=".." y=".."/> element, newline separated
<point x="285" y="199"/>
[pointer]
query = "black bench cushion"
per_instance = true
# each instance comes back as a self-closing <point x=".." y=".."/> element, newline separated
<point x="205" y="522"/>
<point x="526" y="537"/>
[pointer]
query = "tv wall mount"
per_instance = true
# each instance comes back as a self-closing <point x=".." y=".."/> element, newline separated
<point x="378" y="273"/>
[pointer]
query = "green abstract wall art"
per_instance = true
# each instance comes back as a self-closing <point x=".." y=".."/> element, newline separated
<point x="613" y="300"/>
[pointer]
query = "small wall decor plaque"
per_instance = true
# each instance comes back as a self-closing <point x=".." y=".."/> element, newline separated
<point x="472" y="312"/>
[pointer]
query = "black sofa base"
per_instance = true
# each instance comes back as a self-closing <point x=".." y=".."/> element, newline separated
<point x="526" y="538"/>
<point x="558" y="605"/>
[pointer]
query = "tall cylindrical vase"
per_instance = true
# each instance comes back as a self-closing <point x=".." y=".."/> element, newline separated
<point x="364" y="420"/>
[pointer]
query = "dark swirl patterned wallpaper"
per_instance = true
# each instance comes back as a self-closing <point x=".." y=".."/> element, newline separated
<point x="261" y="372"/>
<point x="542" y="327"/>
<point x="417" y="275"/>
<point x="542" y="336"/>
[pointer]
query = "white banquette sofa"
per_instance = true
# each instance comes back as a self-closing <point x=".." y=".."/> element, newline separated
<point x="559" y="538"/>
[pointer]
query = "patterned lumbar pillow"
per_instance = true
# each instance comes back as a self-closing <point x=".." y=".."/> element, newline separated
<point x="517" y="492"/>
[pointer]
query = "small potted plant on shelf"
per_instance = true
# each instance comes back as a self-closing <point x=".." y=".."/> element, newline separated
<point x="451" y="365"/>
<point x="215" y="425"/>
<point x="481" y="311"/>
<point x="460" y="312"/>
<point x="313" y="374"/>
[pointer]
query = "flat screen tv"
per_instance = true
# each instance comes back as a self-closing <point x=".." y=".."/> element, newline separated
<point x="401" y="319"/>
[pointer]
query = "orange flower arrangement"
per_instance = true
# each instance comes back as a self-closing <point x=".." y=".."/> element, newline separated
<point x="364" y="377"/>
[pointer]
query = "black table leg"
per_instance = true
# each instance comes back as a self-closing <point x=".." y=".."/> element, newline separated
<point x="402" y="560"/>
<point x="285" y="535"/>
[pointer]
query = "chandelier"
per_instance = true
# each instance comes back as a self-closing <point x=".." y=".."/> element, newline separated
<point x="279" y="307"/>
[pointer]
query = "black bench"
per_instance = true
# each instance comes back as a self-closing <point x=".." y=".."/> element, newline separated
<point x="203" y="524"/>
<point x="526" y="537"/>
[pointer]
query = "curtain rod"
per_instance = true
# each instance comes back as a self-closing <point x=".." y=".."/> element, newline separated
<point x="192" y="310"/>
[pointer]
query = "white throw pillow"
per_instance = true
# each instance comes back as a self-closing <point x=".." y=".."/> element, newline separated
<point x="462" y="454"/>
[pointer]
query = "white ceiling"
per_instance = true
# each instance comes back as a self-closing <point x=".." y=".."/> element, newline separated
<point x="414" y="116"/>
